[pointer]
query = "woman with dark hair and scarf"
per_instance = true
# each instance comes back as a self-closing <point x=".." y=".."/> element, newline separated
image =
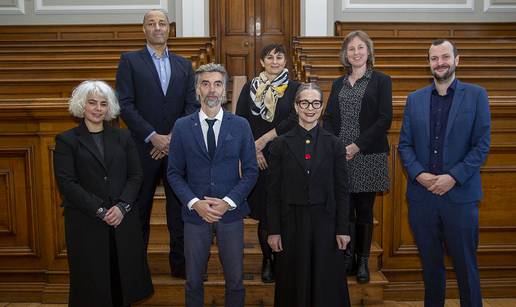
<point x="267" y="102"/>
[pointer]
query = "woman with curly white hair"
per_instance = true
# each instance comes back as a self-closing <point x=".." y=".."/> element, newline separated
<point x="98" y="173"/>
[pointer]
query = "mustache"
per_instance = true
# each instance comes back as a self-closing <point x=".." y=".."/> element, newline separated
<point x="442" y="66"/>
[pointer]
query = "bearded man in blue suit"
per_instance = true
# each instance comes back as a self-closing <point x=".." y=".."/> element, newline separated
<point x="206" y="155"/>
<point x="444" y="140"/>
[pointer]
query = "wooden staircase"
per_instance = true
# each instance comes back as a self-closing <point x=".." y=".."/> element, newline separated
<point x="169" y="291"/>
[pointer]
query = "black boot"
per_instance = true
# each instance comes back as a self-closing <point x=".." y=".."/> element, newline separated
<point x="267" y="270"/>
<point x="363" y="247"/>
<point x="267" y="263"/>
<point x="350" y="260"/>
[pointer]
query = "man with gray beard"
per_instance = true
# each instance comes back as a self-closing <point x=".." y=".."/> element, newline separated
<point x="444" y="140"/>
<point x="203" y="170"/>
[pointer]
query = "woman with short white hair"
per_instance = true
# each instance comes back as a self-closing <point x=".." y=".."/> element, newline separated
<point x="98" y="173"/>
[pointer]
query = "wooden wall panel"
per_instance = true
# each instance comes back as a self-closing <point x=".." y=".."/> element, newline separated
<point x="75" y="32"/>
<point x="18" y="237"/>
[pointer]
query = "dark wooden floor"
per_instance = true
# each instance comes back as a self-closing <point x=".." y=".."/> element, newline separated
<point x="449" y="303"/>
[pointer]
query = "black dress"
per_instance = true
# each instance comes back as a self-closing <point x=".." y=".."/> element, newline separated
<point x="285" y="118"/>
<point x="308" y="206"/>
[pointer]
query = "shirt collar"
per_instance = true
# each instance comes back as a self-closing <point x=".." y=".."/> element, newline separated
<point x="312" y="133"/>
<point x="203" y="116"/>
<point x="450" y="89"/>
<point x="153" y="53"/>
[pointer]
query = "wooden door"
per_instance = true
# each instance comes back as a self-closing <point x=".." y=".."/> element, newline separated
<point x="243" y="27"/>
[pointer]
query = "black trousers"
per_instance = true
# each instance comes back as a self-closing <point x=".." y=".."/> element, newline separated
<point x="310" y="270"/>
<point x="155" y="171"/>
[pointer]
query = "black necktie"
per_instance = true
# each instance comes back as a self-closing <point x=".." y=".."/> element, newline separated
<point x="211" y="137"/>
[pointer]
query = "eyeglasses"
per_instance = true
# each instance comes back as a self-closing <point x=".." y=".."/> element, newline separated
<point x="303" y="104"/>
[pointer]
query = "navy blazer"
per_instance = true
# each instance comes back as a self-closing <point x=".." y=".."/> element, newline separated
<point x="192" y="173"/>
<point x="375" y="113"/>
<point x="466" y="141"/>
<point x="144" y="107"/>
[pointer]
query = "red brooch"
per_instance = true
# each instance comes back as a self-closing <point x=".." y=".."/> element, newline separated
<point x="308" y="156"/>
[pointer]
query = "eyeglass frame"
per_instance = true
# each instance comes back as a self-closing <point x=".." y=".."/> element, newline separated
<point x="309" y="103"/>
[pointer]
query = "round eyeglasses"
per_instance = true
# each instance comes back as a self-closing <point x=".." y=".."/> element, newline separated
<point x="304" y="103"/>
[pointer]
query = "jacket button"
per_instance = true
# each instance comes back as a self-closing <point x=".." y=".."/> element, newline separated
<point x="105" y="178"/>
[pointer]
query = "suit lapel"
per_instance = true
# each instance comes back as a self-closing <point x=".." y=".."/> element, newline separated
<point x="425" y="110"/>
<point x="144" y="53"/>
<point x="174" y="72"/>
<point x="458" y="99"/>
<point x="223" y="133"/>
<point x="110" y="141"/>
<point x="85" y="139"/>
<point x="197" y="132"/>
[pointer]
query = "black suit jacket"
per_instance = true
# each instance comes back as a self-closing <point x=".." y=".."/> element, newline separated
<point x="290" y="184"/>
<point x="144" y="107"/>
<point x="375" y="113"/>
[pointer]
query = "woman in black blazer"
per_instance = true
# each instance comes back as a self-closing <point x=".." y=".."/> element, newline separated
<point x="308" y="210"/>
<point x="98" y="173"/>
<point x="267" y="102"/>
<point x="359" y="112"/>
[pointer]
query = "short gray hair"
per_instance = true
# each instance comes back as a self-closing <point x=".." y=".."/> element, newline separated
<point x="307" y="87"/>
<point x="80" y="95"/>
<point x="211" y="67"/>
<point x="344" y="48"/>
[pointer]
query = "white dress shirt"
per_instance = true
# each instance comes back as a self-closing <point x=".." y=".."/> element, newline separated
<point x="216" y="131"/>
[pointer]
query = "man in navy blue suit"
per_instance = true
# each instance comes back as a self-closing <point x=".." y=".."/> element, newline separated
<point x="204" y="157"/>
<point x="444" y="140"/>
<point x="155" y="87"/>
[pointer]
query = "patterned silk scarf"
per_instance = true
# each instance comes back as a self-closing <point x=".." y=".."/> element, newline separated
<point x="265" y="94"/>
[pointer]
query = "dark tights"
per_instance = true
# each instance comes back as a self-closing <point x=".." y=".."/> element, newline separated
<point x="262" y="238"/>
<point x="361" y="207"/>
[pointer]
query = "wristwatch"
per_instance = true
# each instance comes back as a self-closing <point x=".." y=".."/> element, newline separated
<point x="124" y="207"/>
<point x="101" y="212"/>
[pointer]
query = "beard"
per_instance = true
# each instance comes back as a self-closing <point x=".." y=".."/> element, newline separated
<point x="214" y="102"/>
<point x="446" y="76"/>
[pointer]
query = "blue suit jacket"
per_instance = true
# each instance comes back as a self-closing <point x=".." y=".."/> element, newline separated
<point x="466" y="142"/>
<point x="144" y="107"/>
<point x="192" y="173"/>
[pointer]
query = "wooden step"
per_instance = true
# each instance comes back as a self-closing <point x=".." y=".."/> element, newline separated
<point x="170" y="291"/>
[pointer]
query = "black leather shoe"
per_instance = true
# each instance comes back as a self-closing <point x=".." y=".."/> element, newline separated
<point x="267" y="270"/>
<point x="178" y="272"/>
<point x="363" y="270"/>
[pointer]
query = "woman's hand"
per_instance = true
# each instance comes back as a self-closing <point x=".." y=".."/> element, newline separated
<point x="342" y="241"/>
<point x="262" y="141"/>
<point x="262" y="163"/>
<point x="275" y="242"/>
<point x="351" y="150"/>
<point x="114" y="216"/>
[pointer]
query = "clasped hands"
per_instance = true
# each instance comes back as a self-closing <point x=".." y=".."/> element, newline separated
<point x="113" y="217"/>
<point x="211" y="209"/>
<point x="274" y="242"/>
<point x="161" y="143"/>
<point x="437" y="184"/>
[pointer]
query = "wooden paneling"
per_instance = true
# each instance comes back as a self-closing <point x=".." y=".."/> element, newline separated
<point x="75" y="32"/>
<point x="427" y="30"/>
